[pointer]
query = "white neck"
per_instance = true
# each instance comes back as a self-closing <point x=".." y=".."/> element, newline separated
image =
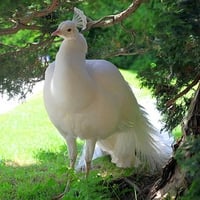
<point x="72" y="85"/>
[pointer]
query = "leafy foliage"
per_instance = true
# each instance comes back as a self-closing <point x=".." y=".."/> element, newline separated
<point x="188" y="158"/>
<point x="174" y="43"/>
<point x="21" y="69"/>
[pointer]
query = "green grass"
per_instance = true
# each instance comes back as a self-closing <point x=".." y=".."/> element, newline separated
<point x="34" y="160"/>
<point x="27" y="130"/>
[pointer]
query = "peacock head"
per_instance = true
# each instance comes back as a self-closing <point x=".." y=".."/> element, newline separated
<point x="66" y="30"/>
<point x="69" y="29"/>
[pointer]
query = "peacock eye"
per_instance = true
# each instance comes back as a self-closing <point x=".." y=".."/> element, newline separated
<point x="69" y="30"/>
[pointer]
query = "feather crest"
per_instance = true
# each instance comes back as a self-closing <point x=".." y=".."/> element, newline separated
<point x="79" y="18"/>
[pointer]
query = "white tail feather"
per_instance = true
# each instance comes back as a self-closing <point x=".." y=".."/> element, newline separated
<point x="136" y="144"/>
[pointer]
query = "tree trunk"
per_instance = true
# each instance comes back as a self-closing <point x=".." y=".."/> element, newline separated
<point x="173" y="182"/>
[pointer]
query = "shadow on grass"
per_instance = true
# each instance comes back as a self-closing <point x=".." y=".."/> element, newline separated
<point x="37" y="181"/>
<point x="46" y="179"/>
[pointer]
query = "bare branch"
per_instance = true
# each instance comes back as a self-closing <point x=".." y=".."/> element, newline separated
<point x="23" y="23"/>
<point x="41" y="13"/>
<point x="185" y="91"/>
<point x="18" y="27"/>
<point x="113" y="19"/>
<point x="126" y="52"/>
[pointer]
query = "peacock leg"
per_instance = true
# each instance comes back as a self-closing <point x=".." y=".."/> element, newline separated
<point x="72" y="150"/>
<point x="89" y="151"/>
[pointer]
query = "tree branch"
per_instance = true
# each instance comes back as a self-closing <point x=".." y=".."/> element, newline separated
<point x="41" y="13"/>
<point x="114" y="19"/>
<point x="23" y="23"/>
<point x="185" y="91"/>
<point x="18" y="27"/>
<point x="126" y="52"/>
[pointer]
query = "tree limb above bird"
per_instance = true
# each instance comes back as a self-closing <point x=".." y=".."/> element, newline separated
<point x="26" y="22"/>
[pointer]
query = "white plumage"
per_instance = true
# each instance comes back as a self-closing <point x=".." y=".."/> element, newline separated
<point x="91" y="100"/>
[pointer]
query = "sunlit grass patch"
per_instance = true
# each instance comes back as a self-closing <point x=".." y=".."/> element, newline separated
<point x="25" y="130"/>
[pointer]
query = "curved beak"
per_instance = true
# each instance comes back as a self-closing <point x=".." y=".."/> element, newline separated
<point x="56" y="33"/>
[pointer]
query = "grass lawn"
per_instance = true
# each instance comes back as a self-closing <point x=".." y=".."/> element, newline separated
<point x="34" y="159"/>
